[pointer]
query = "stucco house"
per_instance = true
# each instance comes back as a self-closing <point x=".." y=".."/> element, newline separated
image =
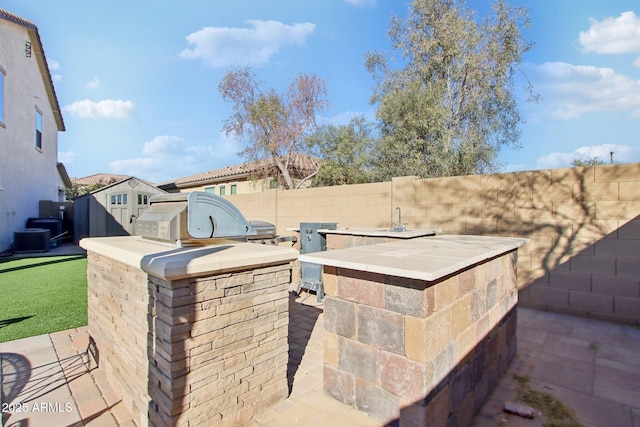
<point x="245" y="178"/>
<point x="30" y="119"/>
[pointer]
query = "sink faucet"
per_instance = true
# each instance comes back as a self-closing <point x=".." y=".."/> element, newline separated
<point x="399" y="226"/>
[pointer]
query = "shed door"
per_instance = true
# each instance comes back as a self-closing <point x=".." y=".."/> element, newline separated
<point x="120" y="209"/>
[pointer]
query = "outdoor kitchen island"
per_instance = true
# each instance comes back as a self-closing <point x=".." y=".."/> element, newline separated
<point x="419" y="330"/>
<point x="190" y="335"/>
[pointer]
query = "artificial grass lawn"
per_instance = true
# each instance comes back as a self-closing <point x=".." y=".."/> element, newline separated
<point x="42" y="295"/>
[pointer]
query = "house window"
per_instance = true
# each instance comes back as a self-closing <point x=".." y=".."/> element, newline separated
<point x="234" y="189"/>
<point x="38" y="130"/>
<point x="223" y="190"/>
<point x="211" y="190"/>
<point x="2" y="73"/>
<point x="119" y="199"/>
<point x="143" y="199"/>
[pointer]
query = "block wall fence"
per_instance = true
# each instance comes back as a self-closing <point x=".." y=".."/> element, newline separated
<point x="584" y="224"/>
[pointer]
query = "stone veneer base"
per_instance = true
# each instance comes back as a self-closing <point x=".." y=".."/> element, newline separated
<point x="419" y="352"/>
<point x="193" y="351"/>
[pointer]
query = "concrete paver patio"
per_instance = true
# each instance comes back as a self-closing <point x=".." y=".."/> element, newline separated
<point x="591" y="366"/>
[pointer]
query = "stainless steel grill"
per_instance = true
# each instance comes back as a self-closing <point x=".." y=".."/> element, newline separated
<point x="199" y="218"/>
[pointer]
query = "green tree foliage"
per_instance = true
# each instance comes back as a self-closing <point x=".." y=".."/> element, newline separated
<point x="346" y="151"/>
<point x="451" y="107"/>
<point x="589" y="161"/>
<point x="272" y="125"/>
<point x="80" y="190"/>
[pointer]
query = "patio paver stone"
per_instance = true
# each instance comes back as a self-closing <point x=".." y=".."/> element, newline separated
<point x="590" y="365"/>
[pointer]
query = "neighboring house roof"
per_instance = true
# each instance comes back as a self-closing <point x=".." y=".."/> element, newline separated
<point x="42" y="62"/>
<point x="126" y="178"/>
<point x="301" y="165"/>
<point x="64" y="175"/>
<point x="99" y="178"/>
<point x="118" y="182"/>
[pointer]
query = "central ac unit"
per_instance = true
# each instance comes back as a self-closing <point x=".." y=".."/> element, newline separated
<point x="32" y="240"/>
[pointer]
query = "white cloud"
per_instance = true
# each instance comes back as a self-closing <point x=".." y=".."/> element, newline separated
<point x="612" y="35"/>
<point x="169" y="157"/>
<point x="54" y="66"/>
<point x="67" y="157"/>
<point x="362" y="3"/>
<point x="105" y="109"/>
<point x="224" y="46"/>
<point x="164" y="146"/>
<point x="621" y="154"/>
<point x="570" y="91"/>
<point x="93" y="83"/>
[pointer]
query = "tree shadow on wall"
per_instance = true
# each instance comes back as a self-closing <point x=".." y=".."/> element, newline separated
<point x="580" y="231"/>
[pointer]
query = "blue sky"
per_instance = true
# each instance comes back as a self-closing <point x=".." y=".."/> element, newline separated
<point x="137" y="80"/>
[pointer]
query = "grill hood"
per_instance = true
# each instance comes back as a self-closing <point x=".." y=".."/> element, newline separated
<point x="195" y="218"/>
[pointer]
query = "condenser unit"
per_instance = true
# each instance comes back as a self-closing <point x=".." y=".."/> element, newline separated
<point x="32" y="240"/>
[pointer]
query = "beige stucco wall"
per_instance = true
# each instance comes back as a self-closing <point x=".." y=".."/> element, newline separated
<point x="356" y="205"/>
<point x="584" y="225"/>
<point x="242" y="186"/>
<point x="27" y="174"/>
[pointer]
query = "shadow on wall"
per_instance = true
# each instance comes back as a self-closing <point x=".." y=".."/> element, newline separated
<point x="460" y="395"/>
<point x="584" y="225"/>
<point x="457" y="397"/>
<point x="599" y="280"/>
<point x="91" y="219"/>
<point x="584" y="252"/>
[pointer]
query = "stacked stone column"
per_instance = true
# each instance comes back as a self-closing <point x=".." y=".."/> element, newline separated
<point x="207" y="349"/>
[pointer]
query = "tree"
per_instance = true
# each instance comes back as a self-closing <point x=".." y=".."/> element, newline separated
<point x="589" y="161"/>
<point x="80" y="190"/>
<point x="273" y="125"/>
<point x="452" y="107"/>
<point x="345" y="151"/>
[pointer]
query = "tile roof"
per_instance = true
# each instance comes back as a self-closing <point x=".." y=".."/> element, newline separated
<point x="301" y="165"/>
<point x="6" y="15"/>
<point x="99" y="178"/>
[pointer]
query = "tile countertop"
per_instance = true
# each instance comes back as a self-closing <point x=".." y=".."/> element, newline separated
<point x="375" y="232"/>
<point x="171" y="262"/>
<point x="379" y="232"/>
<point x="423" y="258"/>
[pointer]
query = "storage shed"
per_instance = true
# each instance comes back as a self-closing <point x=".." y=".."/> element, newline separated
<point x="113" y="209"/>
